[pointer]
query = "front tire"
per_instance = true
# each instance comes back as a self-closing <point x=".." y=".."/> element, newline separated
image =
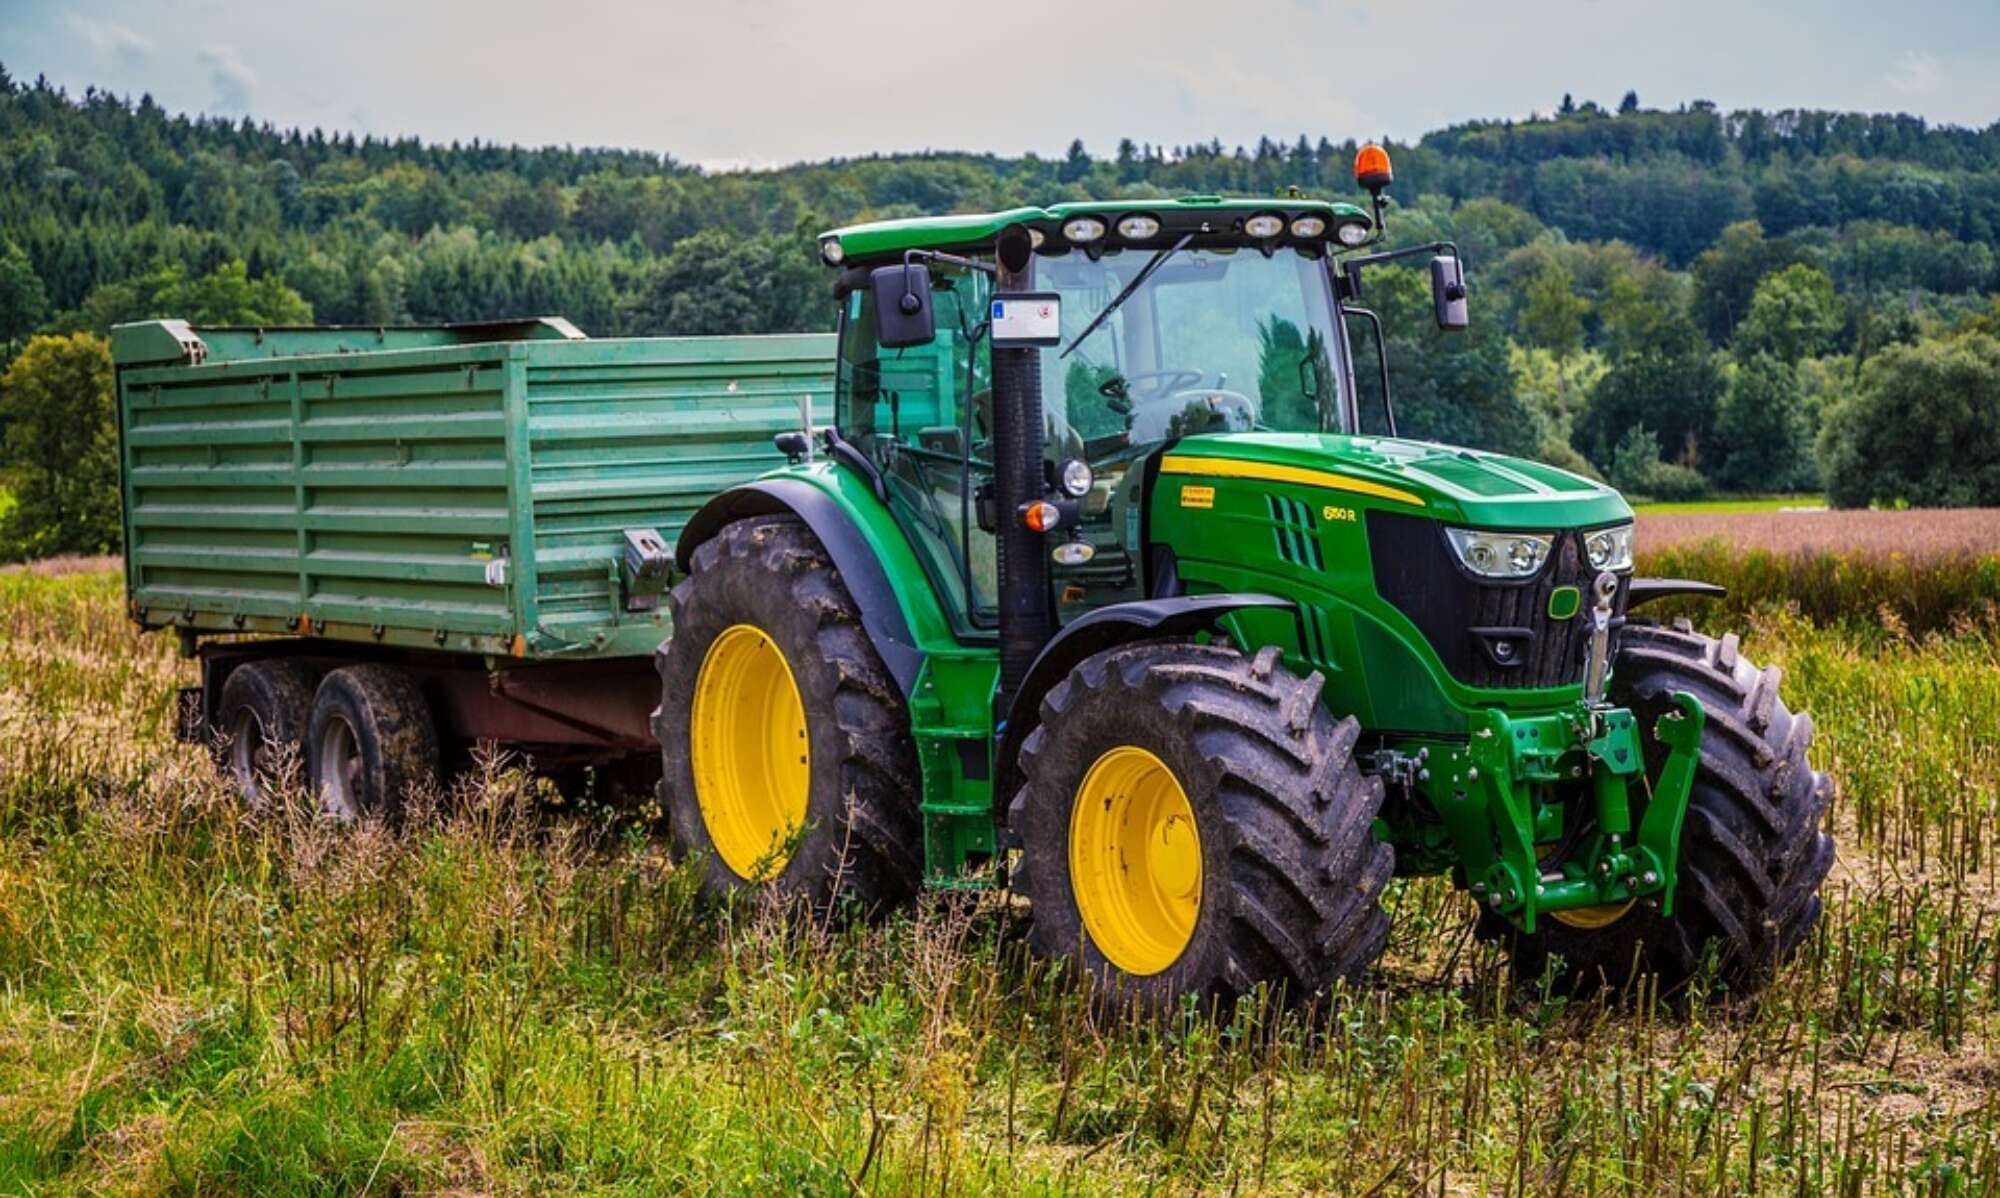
<point x="1192" y="821"/>
<point x="1753" y="853"/>
<point x="785" y="745"/>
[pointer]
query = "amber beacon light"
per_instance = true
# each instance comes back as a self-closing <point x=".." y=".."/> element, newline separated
<point x="1371" y="167"/>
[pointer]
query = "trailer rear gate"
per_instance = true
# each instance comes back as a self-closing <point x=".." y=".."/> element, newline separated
<point x="465" y="488"/>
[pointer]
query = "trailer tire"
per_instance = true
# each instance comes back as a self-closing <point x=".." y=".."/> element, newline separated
<point x="1290" y="875"/>
<point x="261" y="722"/>
<point x="772" y="695"/>
<point x="1753" y="852"/>
<point x="371" y="740"/>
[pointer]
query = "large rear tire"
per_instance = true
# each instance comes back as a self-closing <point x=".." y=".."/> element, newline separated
<point x="1753" y="852"/>
<point x="370" y="741"/>
<point x="261" y="719"/>
<point x="1192" y="822"/>
<point x="785" y="745"/>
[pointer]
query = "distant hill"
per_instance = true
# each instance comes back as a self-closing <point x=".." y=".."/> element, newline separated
<point x="1616" y="256"/>
<point x="98" y="188"/>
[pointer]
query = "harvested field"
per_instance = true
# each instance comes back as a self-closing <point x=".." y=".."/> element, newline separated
<point x="1897" y="574"/>
<point x="195" y="999"/>
<point x="1925" y="534"/>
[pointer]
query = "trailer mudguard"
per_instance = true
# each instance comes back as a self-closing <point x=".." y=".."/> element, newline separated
<point x="1105" y="628"/>
<point x="881" y="610"/>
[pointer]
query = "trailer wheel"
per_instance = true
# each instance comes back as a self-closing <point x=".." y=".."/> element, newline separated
<point x="370" y="741"/>
<point x="1192" y="821"/>
<point x="1753" y="854"/>
<point x="785" y="745"/>
<point x="260" y="719"/>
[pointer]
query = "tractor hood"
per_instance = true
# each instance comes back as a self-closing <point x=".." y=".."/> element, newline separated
<point x="1463" y="486"/>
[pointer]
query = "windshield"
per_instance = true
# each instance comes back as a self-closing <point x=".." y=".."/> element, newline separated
<point x="1213" y="341"/>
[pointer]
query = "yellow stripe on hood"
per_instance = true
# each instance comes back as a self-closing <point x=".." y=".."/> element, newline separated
<point x="1175" y="463"/>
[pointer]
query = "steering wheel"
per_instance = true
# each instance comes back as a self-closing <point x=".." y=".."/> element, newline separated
<point x="1233" y="411"/>
<point x="1166" y="382"/>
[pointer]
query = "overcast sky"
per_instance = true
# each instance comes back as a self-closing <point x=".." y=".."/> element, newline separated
<point x="761" y="82"/>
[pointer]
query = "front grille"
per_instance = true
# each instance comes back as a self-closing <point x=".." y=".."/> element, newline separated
<point x="1297" y="534"/>
<point x="1466" y="618"/>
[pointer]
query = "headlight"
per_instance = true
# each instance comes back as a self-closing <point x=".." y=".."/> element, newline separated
<point x="1501" y="554"/>
<point x="1264" y="225"/>
<point x="831" y="251"/>
<point x="1075" y="478"/>
<point x="1351" y="234"/>
<point x="1083" y="228"/>
<point x="1307" y="228"/>
<point x="1138" y="228"/>
<point x="1609" y="548"/>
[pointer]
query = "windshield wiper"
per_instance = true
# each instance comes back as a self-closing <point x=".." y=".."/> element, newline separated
<point x="1145" y="272"/>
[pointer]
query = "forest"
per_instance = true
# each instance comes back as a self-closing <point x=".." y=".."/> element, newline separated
<point x="1680" y="301"/>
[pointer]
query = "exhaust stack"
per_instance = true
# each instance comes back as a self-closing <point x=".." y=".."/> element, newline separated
<point x="1026" y="622"/>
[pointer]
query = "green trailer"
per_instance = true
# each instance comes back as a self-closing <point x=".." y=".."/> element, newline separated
<point x="490" y="506"/>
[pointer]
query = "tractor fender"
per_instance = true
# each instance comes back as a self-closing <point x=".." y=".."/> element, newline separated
<point x="860" y="571"/>
<point x="1105" y="628"/>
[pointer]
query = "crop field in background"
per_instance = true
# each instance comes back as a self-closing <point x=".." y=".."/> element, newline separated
<point x="1897" y="573"/>
<point x="499" y="999"/>
<point x="1926" y="535"/>
<point x="1732" y="503"/>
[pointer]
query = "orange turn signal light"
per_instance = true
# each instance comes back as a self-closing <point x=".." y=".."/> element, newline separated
<point x="1041" y="515"/>
<point x="1371" y="167"/>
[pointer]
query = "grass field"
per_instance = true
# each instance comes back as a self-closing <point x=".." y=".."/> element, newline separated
<point x="198" y="1001"/>
<point x="1733" y="505"/>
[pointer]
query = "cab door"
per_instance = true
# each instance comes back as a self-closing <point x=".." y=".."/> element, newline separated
<point x="922" y="416"/>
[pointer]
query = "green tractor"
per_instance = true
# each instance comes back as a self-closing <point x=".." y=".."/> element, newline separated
<point x="1097" y="588"/>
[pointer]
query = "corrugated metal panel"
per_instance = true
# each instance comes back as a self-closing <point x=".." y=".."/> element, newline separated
<point x="352" y="492"/>
<point x="638" y="434"/>
<point x="367" y="492"/>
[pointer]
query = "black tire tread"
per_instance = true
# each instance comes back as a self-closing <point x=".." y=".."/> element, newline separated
<point x="1753" y="850"/>
<point x="1306" y="873"/>
<point x="394" y="721"/>
<point x="876" y="849"/>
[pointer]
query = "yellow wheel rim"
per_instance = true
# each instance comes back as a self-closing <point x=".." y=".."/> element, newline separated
<point x="1587" y="919"/>
<point x="1135" y="861"/>
<point x="752" y="763"/>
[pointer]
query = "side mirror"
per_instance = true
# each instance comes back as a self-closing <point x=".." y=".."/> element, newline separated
<point x="903" y="313"/>
<point x="1448" y="293"/>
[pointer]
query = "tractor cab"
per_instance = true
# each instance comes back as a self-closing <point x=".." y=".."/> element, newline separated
<point x="1166" y="321"/>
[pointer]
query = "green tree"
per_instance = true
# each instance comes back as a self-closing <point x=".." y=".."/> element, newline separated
<point x="1553" y="391"/>
<point x="1487" y="229"/>
<point x="1923" y="428"/>
<point x="23" y="300"/>
<point x="1636" y="469"/>
<point x="1726" y="275"/>
<point x="1451" y="387"/>
<point x="1672" y="385"/>
<point x="226" y="295"/>
<point x="1552" y="312"/>
<point x="1075" y="163"/>
<point x="60" y="452"/>
<point x="1763" y="431"/>
<point x="1793" y="315"/>
<point x="715" y="282"/>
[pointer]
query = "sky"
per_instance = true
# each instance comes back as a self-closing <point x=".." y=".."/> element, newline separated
<point x="745" y="83"/>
